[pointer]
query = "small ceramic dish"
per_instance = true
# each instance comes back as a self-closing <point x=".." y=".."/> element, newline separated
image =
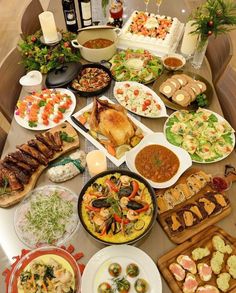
<point x="159" y="139"/>
<point x="173" y="61"/>
<point x="32" y="81"/>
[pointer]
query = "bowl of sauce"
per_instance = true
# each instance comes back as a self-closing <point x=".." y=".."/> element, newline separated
<point x="220" y="183"/>
<point x="173" y="61"/>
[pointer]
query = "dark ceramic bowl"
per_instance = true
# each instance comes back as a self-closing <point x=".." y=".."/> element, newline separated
<point x="95" y="92"/>
<point x="134" y="176"/>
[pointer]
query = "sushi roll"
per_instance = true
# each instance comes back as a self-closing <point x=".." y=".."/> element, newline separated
<point x="182" y="98"/>
<point x="190" y="284"/>
<point x="187" y="263"/>
<point x="204" y="271"/>
<point x="177" y="271"/>
<point x="207" y="289"/>
<point x="167" y="89"/>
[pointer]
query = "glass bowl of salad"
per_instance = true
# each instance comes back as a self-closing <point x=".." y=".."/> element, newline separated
<point x="47" y="216"/>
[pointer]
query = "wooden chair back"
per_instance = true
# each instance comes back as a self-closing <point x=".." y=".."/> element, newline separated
<point x="10" y="72"/>
<point x="219" y="53"/>
<point x="30" y="21"/>
<point x="3" y="136"/>
<point x="226" y="91"/>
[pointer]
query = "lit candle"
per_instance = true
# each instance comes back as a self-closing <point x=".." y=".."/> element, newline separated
<point x="96" y="162"/>
<point x="48" y="27"/>
<point x="189" y="42"/>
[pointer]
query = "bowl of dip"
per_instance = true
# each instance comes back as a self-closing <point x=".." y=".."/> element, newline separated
<point x="173" y="61"/>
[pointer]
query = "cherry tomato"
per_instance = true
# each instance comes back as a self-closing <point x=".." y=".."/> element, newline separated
<point x="136" y="92"/>
<point x="147" y="102"/>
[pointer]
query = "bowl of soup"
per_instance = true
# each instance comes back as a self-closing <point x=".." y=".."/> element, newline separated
<point x="158" y="161"/>
<point x="96" y="43"/>
<point x="173" y="61"/>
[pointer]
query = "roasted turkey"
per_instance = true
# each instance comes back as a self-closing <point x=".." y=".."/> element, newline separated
<point x="111" y="121"/>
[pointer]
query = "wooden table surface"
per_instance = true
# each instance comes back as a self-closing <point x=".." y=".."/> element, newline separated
<point x="155" y="245"/>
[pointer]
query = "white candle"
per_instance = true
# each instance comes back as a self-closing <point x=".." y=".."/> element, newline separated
<point x="48" y="27"/>
<point x="189" y="42"/>
<point x="96" y="162"/>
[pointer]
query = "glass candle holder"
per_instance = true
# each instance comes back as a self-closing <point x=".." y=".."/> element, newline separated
<point x="96" y="162"/>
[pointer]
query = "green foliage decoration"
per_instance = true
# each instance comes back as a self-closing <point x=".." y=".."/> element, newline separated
<point x="214" y="17"/>
<point x="38" y="56"/>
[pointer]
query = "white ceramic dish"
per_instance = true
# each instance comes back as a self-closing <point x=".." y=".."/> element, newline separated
<point x="24" y="122"/>
<point x="144" y="89"/>
<point x="177" y="56"/>
<point x="32" y="81"/>
<point x="220" y="119"/>
<point x="114" y="160"/>
<point x="159" y="139"/>
<point x="30" y="238"/>
<point x="96" y="269"/>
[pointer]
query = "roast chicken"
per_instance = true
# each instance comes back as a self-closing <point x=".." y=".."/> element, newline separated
<point x="111" y="121"/>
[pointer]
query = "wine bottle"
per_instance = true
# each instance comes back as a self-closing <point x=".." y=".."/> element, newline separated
<point x="85" y="12"/>
<point x="70" y="15"/>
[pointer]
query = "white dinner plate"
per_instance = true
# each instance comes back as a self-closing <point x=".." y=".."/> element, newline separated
<point x="96" y="270"/>
<point x="96" y="143"/>
<point x="24" y="123"/>
<point x="144" y="88"/>
<point x="220" y="119"/>
<point x="158" y="138"/>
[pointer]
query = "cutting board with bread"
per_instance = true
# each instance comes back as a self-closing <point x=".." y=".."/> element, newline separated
<point x="206" y="263"/>
<point x="20" y="170"/>
<point x="190" y="206"/>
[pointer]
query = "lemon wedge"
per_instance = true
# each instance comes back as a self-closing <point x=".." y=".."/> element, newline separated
<point x="121" y="150"/>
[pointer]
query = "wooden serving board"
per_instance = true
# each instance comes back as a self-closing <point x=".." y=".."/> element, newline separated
<point x="202" y="239"/>
<point x="181" y="236"/>
<point x="15" y="197"/>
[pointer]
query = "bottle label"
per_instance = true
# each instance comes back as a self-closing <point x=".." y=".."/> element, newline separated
<point x="70" y="17"/>
<point x="86" y="11"/>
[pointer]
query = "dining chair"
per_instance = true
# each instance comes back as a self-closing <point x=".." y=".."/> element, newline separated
<point x="3" y="136"/>
<point x="10" y="71"/>
<point x="30" y="21"/>
<point x="226" y="91"/>
<point x="219" y="53"/>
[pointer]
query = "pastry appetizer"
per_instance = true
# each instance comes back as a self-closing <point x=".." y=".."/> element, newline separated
<point x="200" y="252"/>
<point x="188" y="218"/>
<point x="219" y="245"/>
<point x="217" y="262"/>
<point x="207" y="289"/>
<point x="190" y="284"/>
<point x="223" y="281"/>
<point x="174" y="223"/>
<point x="177" y="271"/>
<point x="187" y="263"/>
<point x="204" y="271"/>
<point x="231" y="264"/>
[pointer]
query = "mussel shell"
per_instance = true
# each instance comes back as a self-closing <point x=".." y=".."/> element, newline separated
<point x="134" y="205"/>
<point x="100" y="203"/>
<point x="125" y="191"/>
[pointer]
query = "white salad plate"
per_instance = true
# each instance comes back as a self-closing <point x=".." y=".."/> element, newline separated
<point x="96" y="270"/>
<point x="95" y="142"/>
<point x="202" y="134"/>
<point x="158" y="138"/>
<point x="31" y="234"/>
<point x="134" y="104"/>
<point x="24" y="121"/>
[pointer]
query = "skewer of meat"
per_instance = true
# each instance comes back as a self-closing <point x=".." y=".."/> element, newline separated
<point x="20" y="175"/>
<point x="24" y="158"/>
<point x="41" y="147"/>
<point x="13" y="182"/>
<point x="24" y="167"/>
<point x="25" y="148"/>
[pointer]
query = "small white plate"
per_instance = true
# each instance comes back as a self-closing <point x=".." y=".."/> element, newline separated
<point x="154" y="96"/>
<point x="159" y="139"/>
<point x="24" y="123"/>
<point x="96" y="143"/>
<point x="96" y="270"/>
